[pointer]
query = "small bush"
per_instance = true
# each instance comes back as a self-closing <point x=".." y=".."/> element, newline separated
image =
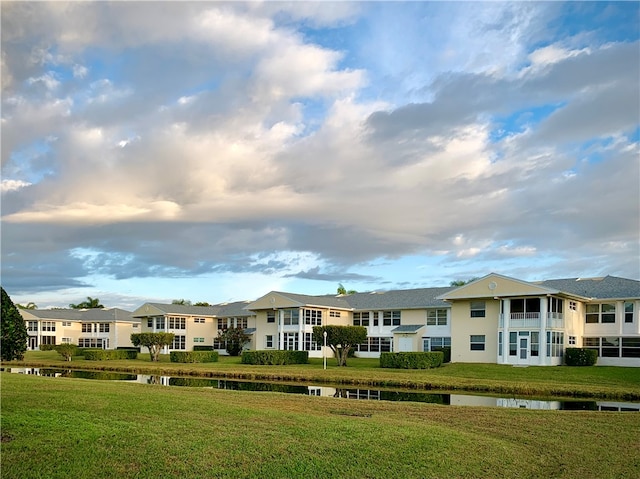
<point x="67" y="351"/>
<point x="446" y="350"/>
<point x="203" y="347"/>
<point x="47" y="347"/>
<point x="106" y="354"/>
<point x="194" y="356"/>
<point x="411" y="360"/>
<point x="580" y="357"/>
<point x="128" y="348"/>
<point x="272" y="358"/>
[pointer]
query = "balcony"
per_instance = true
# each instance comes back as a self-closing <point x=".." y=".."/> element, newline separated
<point x="533" y="320"/>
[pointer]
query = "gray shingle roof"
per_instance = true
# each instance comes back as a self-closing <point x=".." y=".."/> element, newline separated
<point x="93" y="314"/>
<point x="408" y="328"/>
<point x="399" y="299"/>
<point x="608" y="287"/>
<point x="328" y="300"/>
<point x="222" y="310"/>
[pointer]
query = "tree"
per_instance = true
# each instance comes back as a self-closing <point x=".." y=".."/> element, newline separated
<point x="461" y="282"/>
<point x="235" y="339"/>
<point x="29" y="305"/>
<point x="13" y="330"/>
<point x="90" y="303"/>
<point x="183" y="302"/>
<point x="344" y="291"/>
<point x="340" y="339"/>
<point x="67" y="351"/>
<point x="154" y="341"/>
<point x="201" y="303"/>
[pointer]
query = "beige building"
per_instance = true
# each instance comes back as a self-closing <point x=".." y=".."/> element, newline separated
<point x="106" y="328"/>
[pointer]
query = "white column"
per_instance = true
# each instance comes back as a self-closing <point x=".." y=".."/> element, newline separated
<point x="543" y="330"/>
<point x="506" y="317"/>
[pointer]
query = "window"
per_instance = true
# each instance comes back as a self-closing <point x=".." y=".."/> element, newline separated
<point x="149" y="322"/>
<point x="240" y="322"/>
<point x="631" y="347"/>
<point x="66" y="323"/>
<point x="66" y="340"/>
<point x="104" y="327"/>
<point x="93" y="343"/>
<point x="476" y="342"/>
<point x="572" y="340"/>
<point x="223" y="324"/>
<point x="555" y="344"/>
<point x="218" y="344"/>
<point x="313" y="317"/>
<point x="628" y="312"/>
<point x="48" y="340"/>
<point x="573" y="305"/>
<point x="361" y="319"/>
<point x="271" y="316"/>
<point x="198" y="340"/>
<point x="290" y="341"/>
<point x="390" y="318"/>
<point x="375" y="345"/>
<point x="478" y="309"/>
<point x="178" y="342"/>
<point x="335" y="314"/>
<point x="136" y="325"/>
<point x="500" y="343"/>
<point x="290" y="317"/>
<point x="86" y="327"/>
<point x="160" y="323"/>
<point x="269" y="341"/>
<point x="48" y="326"/>
<point x="437" y="317"/>
<point x="513" y="343"/>
<point x="198" y="320"/>
<point x="310" y="344"/>
<point x="32" y="326"/>
<point x="555" y="305"/>
<point x="601" y="313"/>
<point x="177" y="323"/>
<point x="436" y="343"/>
<point x="535" y="343"/>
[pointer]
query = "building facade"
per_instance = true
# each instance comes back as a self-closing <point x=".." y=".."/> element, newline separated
<point x="107" y="328"/>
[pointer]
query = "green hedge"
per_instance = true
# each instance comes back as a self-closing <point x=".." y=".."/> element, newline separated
<point x="275" y="357"/>
<point x="48" y="347"/>
<point x="580" y="357"/>
<point x="446" y="350"/>
<point x="194" y="356"/>
<point x="203" y="347"/>
<point x="91" y="354"/>
<point x="411" y="360"/>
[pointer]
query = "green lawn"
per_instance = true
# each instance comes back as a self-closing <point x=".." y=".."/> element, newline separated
<point x="596" y="381"/>
<point x="74" y="428"/>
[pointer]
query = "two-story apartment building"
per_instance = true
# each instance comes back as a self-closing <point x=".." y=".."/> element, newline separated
<point x="106" y="328"/>
<point x="194" y="325"/>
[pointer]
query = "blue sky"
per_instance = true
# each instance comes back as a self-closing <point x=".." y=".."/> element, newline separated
<point x="216" y="151"/>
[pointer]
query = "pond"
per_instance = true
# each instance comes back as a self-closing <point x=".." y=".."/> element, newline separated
<point x="339" y="391"/>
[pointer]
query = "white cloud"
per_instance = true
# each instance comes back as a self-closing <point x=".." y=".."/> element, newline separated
<point x="13" y="185"/>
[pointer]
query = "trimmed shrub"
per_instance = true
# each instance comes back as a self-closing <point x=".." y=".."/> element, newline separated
<point x="446" y="351"/>
<point x="193" y="356"/>
<point x="67" y="351"/>
<point x="275" y="357"/>
<point x="129" y="348"/>
<point x="580" y="357"/>
<point x="105" y="354"/>
<point x="47" y="347"/>
<point x="203" y="347"/>
<point x="411" y="360"/>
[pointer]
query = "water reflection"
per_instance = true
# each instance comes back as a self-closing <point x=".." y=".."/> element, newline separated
<point x="341" y="392"/>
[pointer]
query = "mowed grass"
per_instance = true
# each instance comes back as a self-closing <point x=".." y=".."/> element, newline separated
<point x="596" y="381"/>
<point x="60" y="428"/>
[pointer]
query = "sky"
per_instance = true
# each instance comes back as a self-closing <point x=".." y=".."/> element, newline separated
<point x="216" y="151"/>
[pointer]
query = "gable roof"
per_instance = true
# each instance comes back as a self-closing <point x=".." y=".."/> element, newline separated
<point x="607" y="287"/>
<point x="222" y="310"/>
<point x="93" y="314"/>
<point x="418" y="298"/>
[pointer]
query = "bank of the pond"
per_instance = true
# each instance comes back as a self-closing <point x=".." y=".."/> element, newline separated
<point x="74" y="428"/>
<point x="559" y="381"/>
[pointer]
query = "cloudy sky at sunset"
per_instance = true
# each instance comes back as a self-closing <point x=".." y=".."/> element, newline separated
<point x="216" y="151"/>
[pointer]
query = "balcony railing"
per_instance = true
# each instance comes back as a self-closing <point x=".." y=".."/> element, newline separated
<point x="532" y="320"/>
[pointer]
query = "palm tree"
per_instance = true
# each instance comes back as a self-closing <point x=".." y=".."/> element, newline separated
<point x="90" y="303"/>
<point x="29" y="305"/>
